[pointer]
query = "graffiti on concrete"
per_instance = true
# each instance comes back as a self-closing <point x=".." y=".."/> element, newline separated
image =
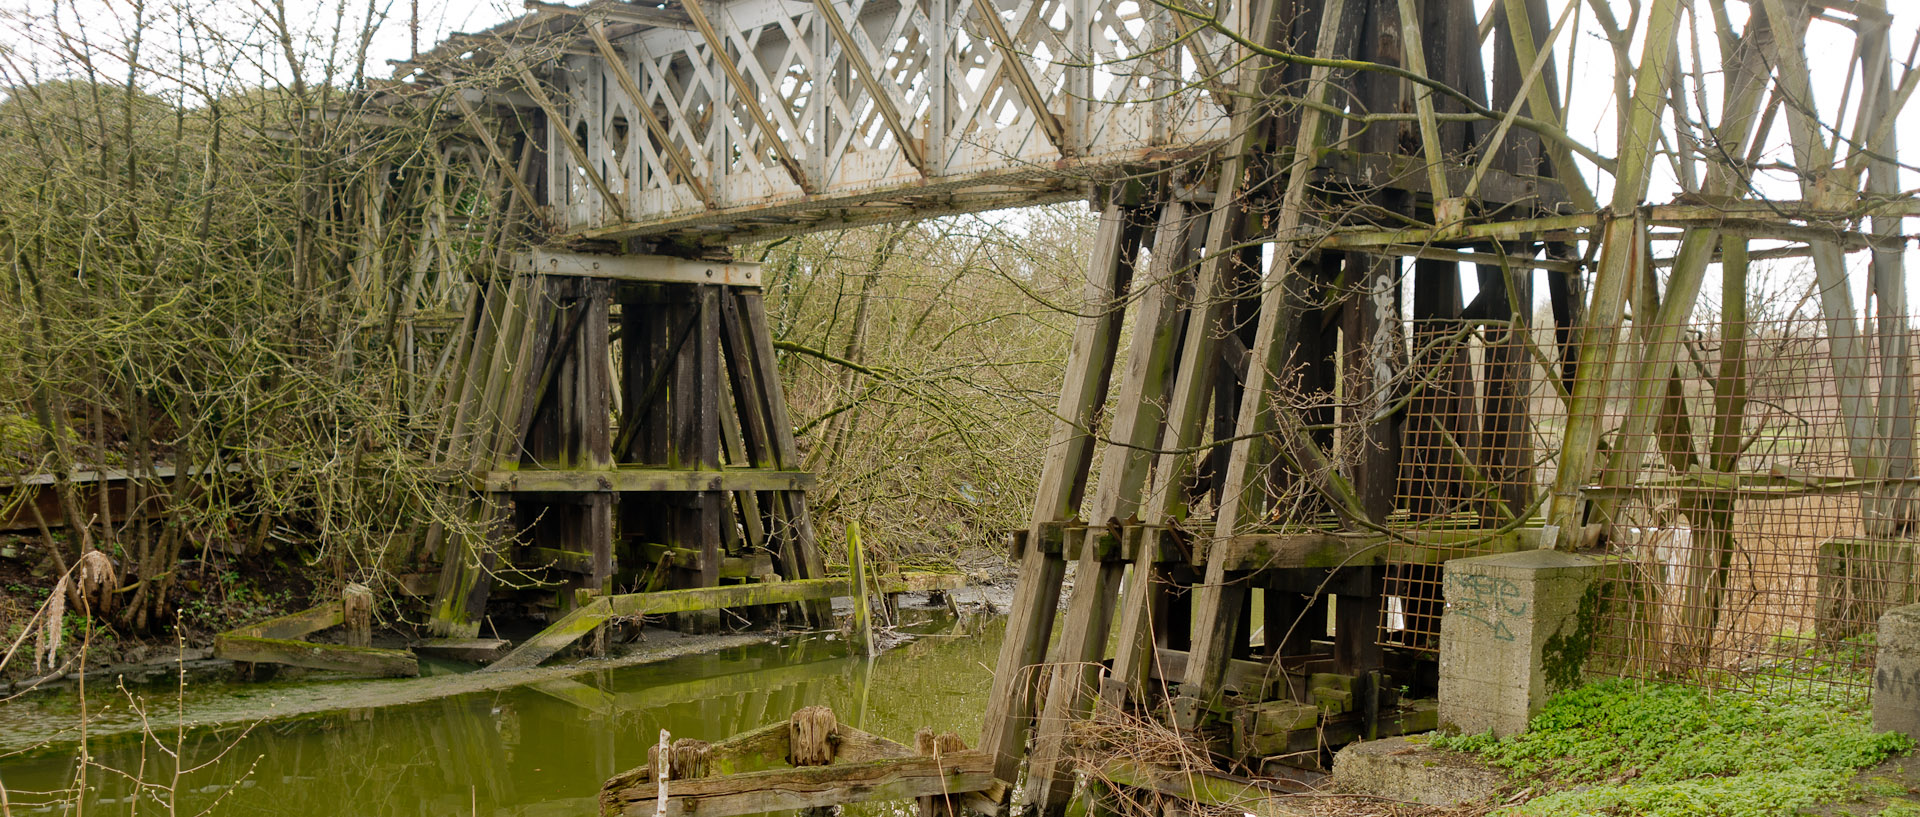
<point x="1489" y="600"/>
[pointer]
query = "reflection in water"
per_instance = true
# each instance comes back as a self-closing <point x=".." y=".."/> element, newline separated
<point x="533" y="751"/>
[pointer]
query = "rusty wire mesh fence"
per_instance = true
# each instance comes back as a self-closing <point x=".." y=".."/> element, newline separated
<point x="1755" y="488"/>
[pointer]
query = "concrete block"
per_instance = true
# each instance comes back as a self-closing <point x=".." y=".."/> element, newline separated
<point x="1896" y="672"/>
<point x="1858" y="580"/>
<point x="1517" y="628"/>
<point x="1412" y="771"/>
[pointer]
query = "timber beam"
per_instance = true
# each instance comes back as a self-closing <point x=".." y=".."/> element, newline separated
<point x="655" y="269"/>
<point x="1249" y="552"/>
<point x="816" y="762"/>
<point x="296" y="653"/>
<point x="1258" y="798"/>
<point x="586" y="617"/>
<point x="278" y="640"/>
<point x="628" y="480"/>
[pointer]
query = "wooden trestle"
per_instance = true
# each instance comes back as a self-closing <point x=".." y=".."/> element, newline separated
<point x="1261" y="212"/>
<point x="696" y="485"/>
<point x="1219" y="338"/>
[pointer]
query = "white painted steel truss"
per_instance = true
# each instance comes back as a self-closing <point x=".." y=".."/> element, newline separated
<point x="756" y="117"/>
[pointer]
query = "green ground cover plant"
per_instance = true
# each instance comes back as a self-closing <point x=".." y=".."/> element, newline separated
<point x="1620" y="747"/>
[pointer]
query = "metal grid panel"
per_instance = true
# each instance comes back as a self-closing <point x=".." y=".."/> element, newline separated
<point x="1757" y="497"/>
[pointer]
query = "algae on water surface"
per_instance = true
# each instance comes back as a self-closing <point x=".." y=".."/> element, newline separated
<point x="540" y="748"/>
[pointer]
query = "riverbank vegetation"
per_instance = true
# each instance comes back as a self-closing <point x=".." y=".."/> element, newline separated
<point x="184" y="302"/>
<point x="1627" y="747"/>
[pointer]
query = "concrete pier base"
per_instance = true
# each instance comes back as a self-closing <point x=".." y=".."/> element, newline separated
<point x="1518" y="627"/>
<point x="1896" y="672"/>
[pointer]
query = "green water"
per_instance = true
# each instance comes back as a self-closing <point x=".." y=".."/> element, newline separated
<point x="542" y="749"/>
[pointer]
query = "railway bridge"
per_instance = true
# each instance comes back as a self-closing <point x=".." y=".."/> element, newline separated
<point x="1309" y="411"/>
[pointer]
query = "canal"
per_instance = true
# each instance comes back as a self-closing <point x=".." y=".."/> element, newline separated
<point x="536" y="749"/>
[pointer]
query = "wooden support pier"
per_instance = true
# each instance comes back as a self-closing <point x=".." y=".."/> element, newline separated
<point x="693" y="488"/>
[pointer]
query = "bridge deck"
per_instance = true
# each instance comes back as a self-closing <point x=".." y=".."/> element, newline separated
<point x="733" y="120"/>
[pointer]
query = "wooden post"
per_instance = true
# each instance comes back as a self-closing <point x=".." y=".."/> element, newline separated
<point x="1219" y="599"/>
<point x="1621" y="258"/>
<point x="862" y="632"/>
<point x="356" y="607"/>
<point x="792" y="505"/>
<point x="1063" y="479"/>
<point x="1137" y="426"/>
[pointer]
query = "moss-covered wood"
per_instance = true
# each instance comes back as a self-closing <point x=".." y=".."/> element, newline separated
<point x="806" y="787"/>
<point x="477" y="650"/>
<point x="293" y="653"/>
<point x="624" y="480"/>
<point x="583" y="619"/>
<point x="296" y="625"/>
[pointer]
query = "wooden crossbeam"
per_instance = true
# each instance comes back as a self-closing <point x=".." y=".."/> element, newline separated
<point x="1218" y="604"/>
<point x="658" y="269"/>
<point x="809" y="761"/>
<point x="624" y="480"/>
<point x="1203" y="786"/>
<point x="805" y="787"/>
<point x="297" y="653"/>
<point x="1416" y="57"/>
<point x="586" y="617"/>
<point x="277" y="641"/>
<point x="1247" y="552"/>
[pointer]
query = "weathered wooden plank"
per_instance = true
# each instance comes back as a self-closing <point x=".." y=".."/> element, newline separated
<point x="466" y="575"/>
<point x="1186" y="415"/>
<point x="1063" y="479"/>
<point x="364" y="660"/>
<point x="753" y="565"/>
<point x="1137" y="427"/>
<point x="476" y="650"/>
<point x="806" y="787"/>
<point x="595" y="362"/>
<point x="1205" y="786"/>
<point x="295" y="625"/>
<point x="621" y="480"/>
<point x="746" y="595"/>
<point x="805" y="559"/>
<point x="1220" y="601"/>
<point x="555" y="637"/>
<point x="708" y="515"/>
<point x="567" y="561"/>
<point x="582" y="621"/>
<point x="1327" y="549"/>
<point x="1253" y="680"/>
<point x="862" y="630"/>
